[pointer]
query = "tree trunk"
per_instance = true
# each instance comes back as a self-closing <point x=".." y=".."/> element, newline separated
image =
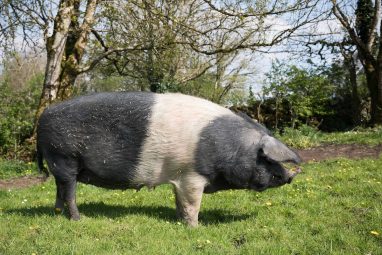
<point x="277" y="114"/>
<point x="65" y="49"/>
<point x="55" y="48"/>
<point x="355" y="101"/>
<point x="364" y="37"/>
<point x="374" y="83"/>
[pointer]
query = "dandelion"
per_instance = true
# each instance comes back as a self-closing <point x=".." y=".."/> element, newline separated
<point x="268" y="203"/>
<point x="375" y="233"/>
<point x="34" y="227"/>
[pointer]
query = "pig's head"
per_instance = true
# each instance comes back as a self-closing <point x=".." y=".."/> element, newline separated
<point x="242" y="154"/>
<point x="268" y="170"/>
<point x="257" y="166"/>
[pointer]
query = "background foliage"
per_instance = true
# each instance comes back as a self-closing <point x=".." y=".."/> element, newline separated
<point x="20" y="88"/>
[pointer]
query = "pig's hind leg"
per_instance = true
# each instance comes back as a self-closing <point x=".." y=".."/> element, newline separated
<point x="60" y="199"/>
<point x="65" y="171"/>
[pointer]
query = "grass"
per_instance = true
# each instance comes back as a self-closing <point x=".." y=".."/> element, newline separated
<point x="306" y="137"/>
<point x="333" y="207"/>
<point x="15" y="168"/>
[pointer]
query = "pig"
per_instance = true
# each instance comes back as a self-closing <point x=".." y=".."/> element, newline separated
<point x="123" y="140"/>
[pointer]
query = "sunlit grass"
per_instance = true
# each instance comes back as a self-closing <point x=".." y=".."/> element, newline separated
<point x="14" y="168"/>
<point x="307" y="137"/>
<point x="371" y="136"/>
<point x="333" y="207"/>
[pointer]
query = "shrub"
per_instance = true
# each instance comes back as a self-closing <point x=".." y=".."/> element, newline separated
<point x="17" y="112"/>
<point x="14" y="168"/>
<point x="304" y="137"/>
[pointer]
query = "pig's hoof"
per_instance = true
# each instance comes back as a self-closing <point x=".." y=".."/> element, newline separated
<point x="75" y="217"/>
<point x="192" y="225"/>
<point x="58" y="211"/>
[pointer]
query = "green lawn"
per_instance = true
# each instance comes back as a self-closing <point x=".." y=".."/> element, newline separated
<point x="306" y="137"/>
<point x="15" y="168"/>
<point x="333" y="207"/>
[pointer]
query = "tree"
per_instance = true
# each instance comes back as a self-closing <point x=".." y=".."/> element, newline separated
<point x="166" y="65"/>
<point x="364" y="36"/>
<point x="305" y="91"/>
<point x="184" y="40"/>
<point x="205" y="27"/>
<point x="159" y="63"/>
<point x="65" y="46"/>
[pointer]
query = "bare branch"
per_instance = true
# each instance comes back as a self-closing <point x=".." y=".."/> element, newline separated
<point x="106" y="54"/>
<point x="364" y="52"/>
<point x="300" y="5"/>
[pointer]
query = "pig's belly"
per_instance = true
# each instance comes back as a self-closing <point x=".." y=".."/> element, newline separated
<point x="108" y="182"/>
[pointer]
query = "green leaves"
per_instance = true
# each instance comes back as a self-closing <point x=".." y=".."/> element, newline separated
<point x="306" y="91"/>
<point x="17" y="111"/>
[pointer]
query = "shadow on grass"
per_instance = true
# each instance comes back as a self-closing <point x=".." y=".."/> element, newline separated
<point x="99" y="209"/>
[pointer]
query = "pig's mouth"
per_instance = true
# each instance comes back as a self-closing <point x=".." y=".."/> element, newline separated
<point x="292" y="173"/>
<point x="291" y="170"/>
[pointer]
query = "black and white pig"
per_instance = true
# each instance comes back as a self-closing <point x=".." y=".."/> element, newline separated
<point x="130" y="140"/>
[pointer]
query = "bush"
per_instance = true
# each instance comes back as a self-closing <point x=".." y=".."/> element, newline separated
<point x="14" y="168"/>
<point x="17" y="112"/>
<point x="304" y="137"/>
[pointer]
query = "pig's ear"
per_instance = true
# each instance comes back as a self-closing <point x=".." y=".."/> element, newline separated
<point x="277" y="151"/>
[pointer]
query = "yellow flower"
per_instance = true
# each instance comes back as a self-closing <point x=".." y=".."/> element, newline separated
<point x="374" y="233"/>
<point x="268" y="203"/>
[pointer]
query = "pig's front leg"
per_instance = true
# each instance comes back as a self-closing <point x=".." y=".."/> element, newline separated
<point x="188" y="193"/>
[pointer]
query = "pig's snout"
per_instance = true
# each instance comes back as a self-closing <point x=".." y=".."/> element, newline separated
<point x="292" y="174"/>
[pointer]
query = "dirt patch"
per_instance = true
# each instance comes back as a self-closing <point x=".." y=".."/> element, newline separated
<point x="21" y="182"/>
<point x="352" y="151"/>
